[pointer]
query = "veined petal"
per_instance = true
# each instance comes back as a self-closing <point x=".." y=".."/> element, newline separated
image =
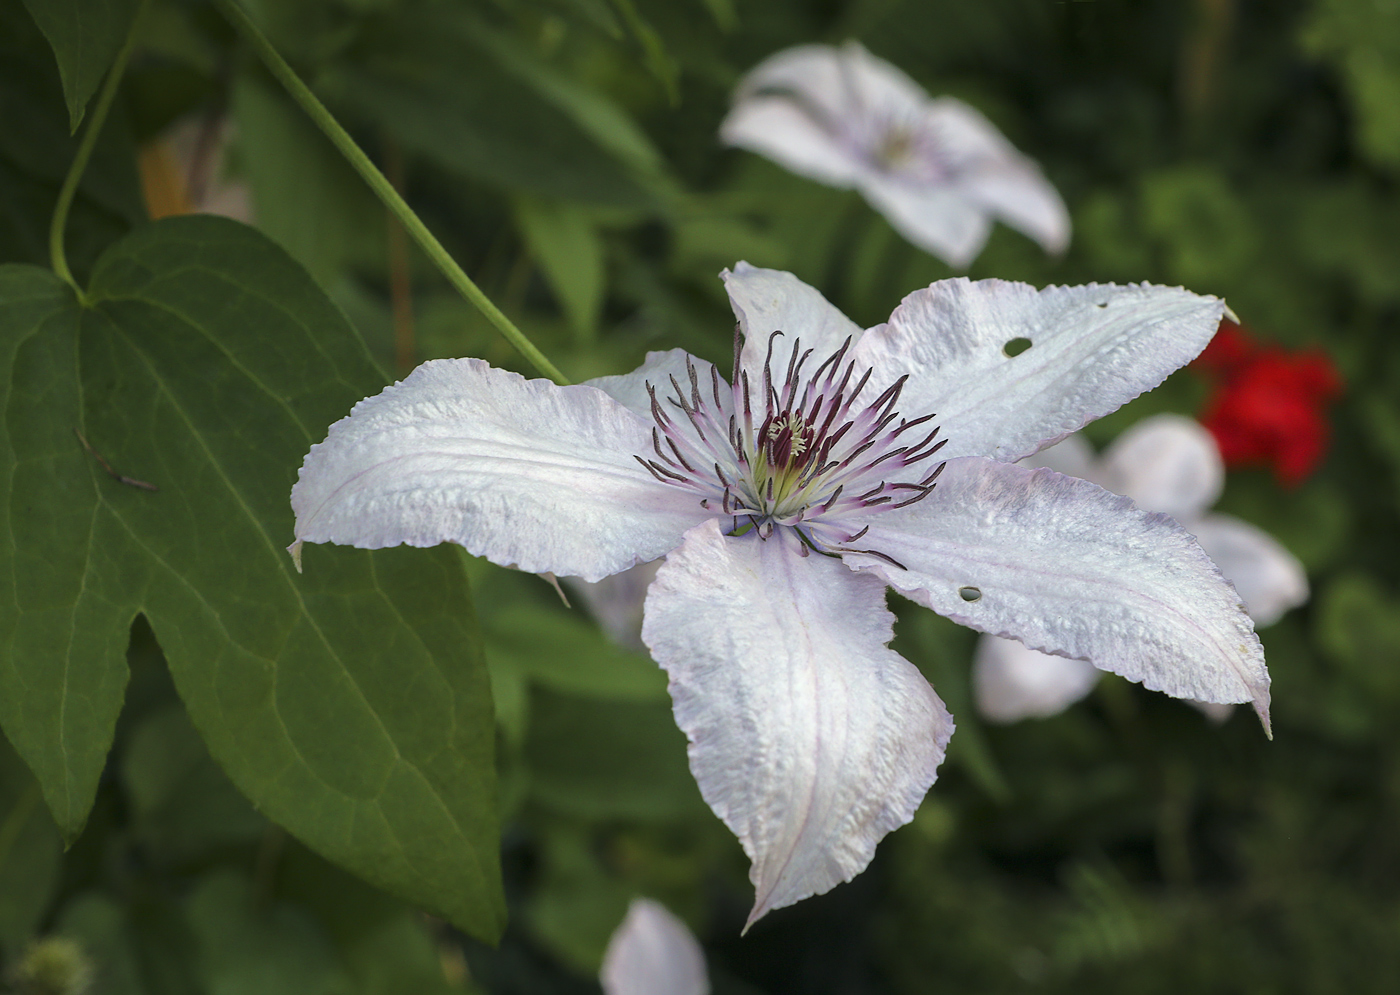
<point x="794" y="135"/>
<point x="1010" y="681"/>
<point x="1166" y="463"/>
<point x="653" y="953"/>
<point x="935" y="217"/>
<point x="1269" y="578"/>
<point x="808" y="737"/>
<point x="770" y="300"/>
<point x="1069" y="568"/>
<point x="523" y="472"/>
<point x="1092" y="349"/>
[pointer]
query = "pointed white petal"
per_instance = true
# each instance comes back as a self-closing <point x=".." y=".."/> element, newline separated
<point x="992" y="174"/>
<point x="653" y="953"/>
<point x="1167" y="463"/>
<point x="1269" y="578"/>
<point x="1068" y="568"/>
<point x="1011" y="681"/>
<point x="793" y="136"/>
<point x="522" y="472"/>
<point x="808" y="737"/>
<point x="935" y="217"/>
<point x="769" y="300"/>
<point x="1018" y="193"/>
<point x="840" y="83"/>
<point x="1092" y="349"/>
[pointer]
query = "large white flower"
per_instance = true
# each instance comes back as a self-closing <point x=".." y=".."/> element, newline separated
<point x="786" y="501"/>
<point x="1170" y="464"/>
<point x="937" y="169"/>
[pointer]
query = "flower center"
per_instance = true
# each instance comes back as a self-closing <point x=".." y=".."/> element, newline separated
<point x="808" y="456"/>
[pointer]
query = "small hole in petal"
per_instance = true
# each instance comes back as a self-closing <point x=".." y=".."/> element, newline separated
<point x="970" y="593"/>
<point x="1103" y="304"/>
<point x="1016" y="346"/>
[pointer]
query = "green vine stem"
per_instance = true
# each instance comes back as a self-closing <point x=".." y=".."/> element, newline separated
<point x="383" y="189"/>
<point x="57" y="256"/>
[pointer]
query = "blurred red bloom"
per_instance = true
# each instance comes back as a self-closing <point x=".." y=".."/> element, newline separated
<point x="1267" y="407"/>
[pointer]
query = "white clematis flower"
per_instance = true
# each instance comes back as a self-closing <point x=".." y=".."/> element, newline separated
<point x="1166" y="463"/>
<point x="653" y="953"/>
<point x="938" y="170"/>
<point x="838" y="462"/>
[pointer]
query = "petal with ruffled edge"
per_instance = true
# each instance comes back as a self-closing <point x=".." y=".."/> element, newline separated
<point x="1166" y="463"/>
<point x="935" y="217"/>
<point x="523" y="472"/>
<point x="653" y="953"/>
<point x="1010" y="681"/>
<point x="1068" y="568"/>
<point x="1072" y="456"/>
<point x="808" y="737"/>
<point x="770" y="300"/>
<point x="1269" y="578"/>
<point x="1093" y="348"/>
<point x="795" y="135"/>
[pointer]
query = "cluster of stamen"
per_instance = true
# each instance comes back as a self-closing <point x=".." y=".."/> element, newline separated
<point x="808" y="456"/>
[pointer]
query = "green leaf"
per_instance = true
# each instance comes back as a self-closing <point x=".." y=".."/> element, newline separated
<point x="85" y="35"/>
<point x="350" y="705"/>
<point x="30" y="855"/>
<point x="567" y="247"/>
<point x="609" y="759"/>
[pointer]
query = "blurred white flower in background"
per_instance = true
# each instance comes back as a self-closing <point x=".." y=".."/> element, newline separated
<point x="1167" y="464"/>
<point x="653" y="953"/>
<point x="937" y="169"/>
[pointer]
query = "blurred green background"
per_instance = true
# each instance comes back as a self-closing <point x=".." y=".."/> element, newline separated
<point x="566" y="152"/>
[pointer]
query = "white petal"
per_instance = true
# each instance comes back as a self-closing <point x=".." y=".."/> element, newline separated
<point x="1215" y="711"/>
<point x="1167" y="463"/>
<point x="653" y="953"/>
<point x="936" y="218"/>
<point x="788" y="133"/>
<point x="770" y="300"/>
<point x="522" y="472"/>
<point x="1092" y="349"/>
<point x="1011" y="681"/>
<point x="1068" y="568"/>
<point x="1072" y="456"/>
<point x="1269" y="578"/>
<point x="842" y="83"/>
<point x="808" y="737"/>
<point x="1018" y="193"/>
<point x="995" y="176"/>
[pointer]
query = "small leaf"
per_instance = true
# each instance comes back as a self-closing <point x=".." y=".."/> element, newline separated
<point x="86" y="36"/>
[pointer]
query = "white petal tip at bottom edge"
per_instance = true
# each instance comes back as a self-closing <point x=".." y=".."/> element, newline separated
<point x="808" y="737"/>
<point x="653" y="953"/>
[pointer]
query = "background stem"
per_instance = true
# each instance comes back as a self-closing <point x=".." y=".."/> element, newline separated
<point x="384" y="190"/>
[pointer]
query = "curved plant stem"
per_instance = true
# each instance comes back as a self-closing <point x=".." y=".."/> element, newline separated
<point x="57" y="256"/>
<point x="383" y="189"/>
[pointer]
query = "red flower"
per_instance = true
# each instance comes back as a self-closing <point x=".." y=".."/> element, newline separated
<point x="1267" y="408"/>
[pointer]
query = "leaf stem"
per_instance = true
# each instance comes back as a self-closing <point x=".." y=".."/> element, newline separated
<point x="57" y="256"/>
<point x="383" y="189"/>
